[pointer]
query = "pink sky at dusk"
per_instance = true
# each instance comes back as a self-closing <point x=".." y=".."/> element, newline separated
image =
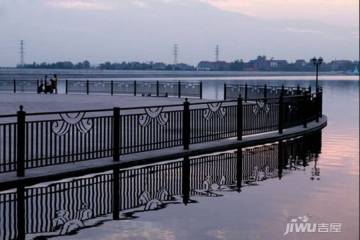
<point x="339" y="12"/>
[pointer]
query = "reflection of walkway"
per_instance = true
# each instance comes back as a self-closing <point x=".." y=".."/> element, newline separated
<point x="69" y="205"/>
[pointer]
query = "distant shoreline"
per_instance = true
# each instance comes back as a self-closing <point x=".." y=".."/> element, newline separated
<point x="14" y="73"/>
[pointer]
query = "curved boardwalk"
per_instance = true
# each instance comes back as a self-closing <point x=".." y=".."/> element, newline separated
<point x="32" y="143"/>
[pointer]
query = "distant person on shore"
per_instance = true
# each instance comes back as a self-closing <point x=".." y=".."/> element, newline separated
<point x="40" y="87"/>
<point x="54" y="83"/>
<point x="49" y="86"/>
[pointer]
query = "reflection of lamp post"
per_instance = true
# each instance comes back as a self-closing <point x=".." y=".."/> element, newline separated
<point x="315" y="171"/>
<point x="317" y="62"/>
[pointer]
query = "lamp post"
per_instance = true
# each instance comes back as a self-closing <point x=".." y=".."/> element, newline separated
<point x="317" y="62"/>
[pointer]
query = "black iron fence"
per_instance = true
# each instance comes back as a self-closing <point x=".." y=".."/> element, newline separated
<point x="58" y="208"/>
<point x="233" y="91"/>
<point x="179" y="89"/>
<point x="30" y="140"/>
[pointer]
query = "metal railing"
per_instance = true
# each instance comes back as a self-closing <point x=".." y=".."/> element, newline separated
<point x="179" y="89"/>
<point x="31" y="140"/>
<point x="232" y="91"/>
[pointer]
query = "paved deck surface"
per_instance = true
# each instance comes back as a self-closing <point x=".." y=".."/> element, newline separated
<point x="9" y="103"/>
<point x="57" y="172"/>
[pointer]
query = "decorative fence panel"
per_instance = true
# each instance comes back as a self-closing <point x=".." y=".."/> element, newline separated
<point x="100" y="87"/>
<point x="124" y="87"/>
<point x="26" y="86"/>
<point x="76" y="86"/>
<point x="8" y="86"/>
<point x="191" y="89"/>
<point x="67" y="137"/>
<point x="233" y="91"/>
<point x="150" y="128"/>
<point x="212" y="121"/>
<point x="8" y="142"/>
<point x="146" y="88"/>
<point x="261" y="116"/>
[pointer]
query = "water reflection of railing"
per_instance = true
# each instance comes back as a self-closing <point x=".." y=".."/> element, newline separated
<point x="62" y="207"/>
<point x="31" y="140"/>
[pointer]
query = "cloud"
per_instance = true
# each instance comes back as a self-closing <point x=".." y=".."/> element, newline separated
<point x="92" y="5"/>
<point x="301" y="30"/>
<point x="343" y="12"/>
<point x="139" y="3"/>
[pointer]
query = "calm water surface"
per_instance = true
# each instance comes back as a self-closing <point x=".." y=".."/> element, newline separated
<point x="263" y="211"/>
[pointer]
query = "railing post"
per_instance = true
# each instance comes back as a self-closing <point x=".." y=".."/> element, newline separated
<point x="239" y="168"/>
<point x="66" y="86"/>
<point x="239" y="118"/>
<point x="20" y="163"/>
<point x="179" y="89"/>
<point x="116" y="193"/>
<point x="321" y="102"/>
<point x="317" y="102"/>
<point x="281" y="112"/>
<point x="186" y="125"/>
<point x="135" y="88"/>
<point x="280" y="159"/>
<point x="116" y="134"/>
<point x="304" y="109"/>
<point x="112" y="87"/>
<point x="201" y="90"/>
<point x="20" y="212"/>
<point x="265" y="92"/>
<point x="246" y="92"/>
<point x="186" y="180"/>
<point x="87" y="87"/>
<point x="14" y="83"/>
<point x="225" y="91"/>
<point x="157" y="88"/>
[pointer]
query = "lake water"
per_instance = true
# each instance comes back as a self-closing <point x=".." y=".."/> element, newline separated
<point x="263" y="211"/>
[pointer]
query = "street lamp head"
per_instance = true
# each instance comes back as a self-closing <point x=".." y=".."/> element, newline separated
<point x="320" y="60"/>
<point x="314" y="60"/>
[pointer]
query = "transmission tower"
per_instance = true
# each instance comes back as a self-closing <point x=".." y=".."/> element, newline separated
<point x="22" y="53"/>
<point x="176" y="54"/>
<point x="217" y="53"/>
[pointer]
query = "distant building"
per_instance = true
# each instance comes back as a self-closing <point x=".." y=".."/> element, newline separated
<point x="279" y="64"/>
<point x="158" y="66"/>
<point x="300" y="63"/>
<point x="259" y="64"/>
<point x="340" y="65"/>
<point x="184" y="67"/>
<point x="214" y="66"/>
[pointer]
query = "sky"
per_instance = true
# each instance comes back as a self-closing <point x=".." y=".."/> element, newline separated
<point x="146" y="30"/>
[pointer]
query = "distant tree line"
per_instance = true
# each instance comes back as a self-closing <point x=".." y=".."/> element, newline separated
<point x="261" y="63"/>
<point x="58" y="65"/>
